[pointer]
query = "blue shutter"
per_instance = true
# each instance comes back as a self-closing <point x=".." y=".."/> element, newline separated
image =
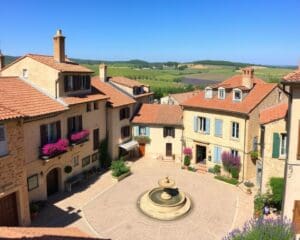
<point x="207" y="131"/>
<point x="195" y="124"/>
<point x="148" y="131"/>
<point x="218" y="128"/>
<point x="215" y="154"/>
<point x="136" y="130"/>
<point x="220" y="155"/>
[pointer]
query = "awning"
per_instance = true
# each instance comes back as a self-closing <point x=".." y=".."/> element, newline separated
<point x="129" y="145"/>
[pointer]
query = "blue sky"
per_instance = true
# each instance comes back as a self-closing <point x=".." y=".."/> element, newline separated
<point x="256" y="31"/>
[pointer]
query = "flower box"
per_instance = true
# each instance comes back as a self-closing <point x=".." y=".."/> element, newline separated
<point x="79" y="137"/>
<point x="51" y="150"/>
<point x="121" y="177"/>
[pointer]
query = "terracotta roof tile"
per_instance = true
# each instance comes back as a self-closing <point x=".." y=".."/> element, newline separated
<point x="78" y="99"/>
<point x="43" y="233"/>
<point x="126" y="82"/>
<point x="249" y="102"/>
<point x="293" y="77"/>
<point x="22" y="99"/>
<point x="236" y="82"/>
<point x="181" y="97"/>
<point x="67" y="66"/>
<point x="6" y="113"/>
<point x="159" y="114"/>
<point x="273" y="113"/>
<point x="116" y="98"/>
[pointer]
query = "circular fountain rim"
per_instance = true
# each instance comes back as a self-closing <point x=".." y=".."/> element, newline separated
<point x="182" y="195"/>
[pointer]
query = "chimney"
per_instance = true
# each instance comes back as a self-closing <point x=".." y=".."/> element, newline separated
<point x="103" y="72"/>
<point x="1" y="60"/>
<point x="59" y="46"/>
<point x="247" y="79"/>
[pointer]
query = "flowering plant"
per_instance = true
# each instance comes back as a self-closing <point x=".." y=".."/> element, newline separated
<point x="52" y="148"/>
<point x="231" y="161"/>
<point x="79" y="135"/>
<point x="187" y="151"/>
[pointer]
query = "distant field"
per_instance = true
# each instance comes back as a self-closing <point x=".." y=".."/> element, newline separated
<point x="165" y="81"/>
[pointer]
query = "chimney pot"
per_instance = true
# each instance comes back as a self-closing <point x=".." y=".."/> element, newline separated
<point x="103" y="72"/>
<point x="59" y="46"/>
<point x="247" y="79"/>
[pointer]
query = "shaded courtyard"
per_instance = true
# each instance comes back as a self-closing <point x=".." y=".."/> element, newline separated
<point x="109" y="210"/>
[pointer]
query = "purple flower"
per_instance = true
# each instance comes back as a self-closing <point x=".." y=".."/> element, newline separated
<point x="79" y="135"/>
<point x="52" y="148"/>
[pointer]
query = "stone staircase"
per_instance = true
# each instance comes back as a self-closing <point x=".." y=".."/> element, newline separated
<point x="201" y="168"/>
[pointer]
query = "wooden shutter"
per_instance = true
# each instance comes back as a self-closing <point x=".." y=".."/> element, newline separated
<point x="88" y="82"/>
<point x="165" y="132"/>
<point x="173" y="132"/>
<point x="80" y="122"/>
<point x="276" y="145"/>
<point x="298" y="152"/>
<point x="121" y="114"/>
<point x="96" y="138"/>
<point x="66" y="84"/>
<point x="58" y="129"/>
<point x="43" y="133"/>
<point x="70" y="128"/>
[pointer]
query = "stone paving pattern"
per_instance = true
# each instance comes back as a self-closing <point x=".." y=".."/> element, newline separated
<point x="109" y="210"/>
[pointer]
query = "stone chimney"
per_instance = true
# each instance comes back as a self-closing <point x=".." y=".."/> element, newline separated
<point x="103" y="72"/>
<point x="59" y="46"/>
<point x="1" y="61"/>
<point x="247" y="80"/>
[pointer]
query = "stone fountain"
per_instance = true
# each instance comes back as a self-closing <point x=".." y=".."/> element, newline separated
<point x="165" y="202"/>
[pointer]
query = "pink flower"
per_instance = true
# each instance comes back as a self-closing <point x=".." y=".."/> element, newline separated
<point x="79" y="135"/>
<point x="187" y="151"/>
<point x="52" y="148"/>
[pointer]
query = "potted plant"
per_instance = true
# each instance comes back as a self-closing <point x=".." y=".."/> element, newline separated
<point x="53" y="149"/>
<point x="119" y="170"/>
<point x="34" y="209"/>
<point x="259" y="203"/>
<point x="187" y="157"/>
<point x="254" y="155"/>
<point x="217" y="169"/>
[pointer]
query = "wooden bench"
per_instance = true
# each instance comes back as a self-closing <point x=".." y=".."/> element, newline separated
<point x="73" y="180"/>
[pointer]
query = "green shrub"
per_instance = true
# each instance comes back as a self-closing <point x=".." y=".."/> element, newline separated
<point x="211" y="170"/>
<point x="192" y="169"/>
<point x="259" y="202"/>
<point x="68" y="169"/>
<point x="118" y="168"/>
<point x="254" y="155"/>
<point x="217" y="169"/>
<point x="234" y="172"/>
<point x="277" y="188"/>
<point x="232" y="181"/>
<point x="187" y="161"/>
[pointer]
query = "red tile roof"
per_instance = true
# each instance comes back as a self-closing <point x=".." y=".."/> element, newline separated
<point x="293" y="77"/>
<point x="78" y="99"/>
<point x="67" y="66"/>
<point x="273" y="113"/>
<point x="236" y="82"/>
<point x="43" y="233"/>
<point x="126" y="82"/>
<point x="116" y="98"/>
<point x="248" y="103"/>
<point x="181" y="97"/>
<point x="18" y="98"/>
<point x="159" y="114"/>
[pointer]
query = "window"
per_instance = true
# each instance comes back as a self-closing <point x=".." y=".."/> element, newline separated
<point x="169" y="131"/>
<point x="217" y="154"/>
<point x="124" y="113"/>
<point x="142" y="131"/>
<point x="95" y="157"/>
<point x="3" y="141"/>
<point x="235" y="129"/>
<point x="88" y="107"/>
<point x="218" y="128"/>
<point x="25" y="73"/>
<point x="77" y="82"/>
<point x="234" y="152"/>
<point x="237" y="95"/>
<point x="74" y="124"/>
<point x="221" y="93"/>
<point x="283" y="145"/>
<point x="208" y="92"/>
<point x="96" y="139"/>
<point x="50" y="133"/>
<point x="138" y="90"/>
<point x="86" y="161"/>
<point x="125" y="132"/>
<point x="96" y="105"/>
<point x="32" y="182"/>
<point x="75" y="160"/>
<point x="203" y="125"/>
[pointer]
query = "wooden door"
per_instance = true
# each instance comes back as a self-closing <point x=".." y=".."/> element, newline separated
<point x="8" y="210"/>
<point x="168" y="149"/>
<point x="296" y="217"/>
<point x="52" y="182"/>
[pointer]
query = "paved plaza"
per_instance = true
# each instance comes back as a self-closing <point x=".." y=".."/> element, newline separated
<point x="107" y="209"/>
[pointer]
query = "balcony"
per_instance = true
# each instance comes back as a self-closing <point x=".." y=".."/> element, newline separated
<point x="79" y="137"/>
<point x="51" y="150"/>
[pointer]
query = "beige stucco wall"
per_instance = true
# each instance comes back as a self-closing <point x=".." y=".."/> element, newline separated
<point x="157" y="147"/>
<point x="272" y="167"/>
<point x="114" y="125"/>
<point x="91" y="120"/>
<point x="293" y="169"/>
<point x="12" y="170"/>
<point x="209" y="140"/>
<point x="39" y="74"/>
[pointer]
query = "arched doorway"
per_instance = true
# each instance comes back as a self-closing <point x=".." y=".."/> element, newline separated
<point x="52" y="182"/>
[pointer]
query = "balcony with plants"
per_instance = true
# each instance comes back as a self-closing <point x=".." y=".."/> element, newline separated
<point x="79" y="137"/>
<point x="51" y="150"/>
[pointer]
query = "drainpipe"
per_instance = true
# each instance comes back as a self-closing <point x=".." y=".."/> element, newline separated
<point x="244" y="157"/>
